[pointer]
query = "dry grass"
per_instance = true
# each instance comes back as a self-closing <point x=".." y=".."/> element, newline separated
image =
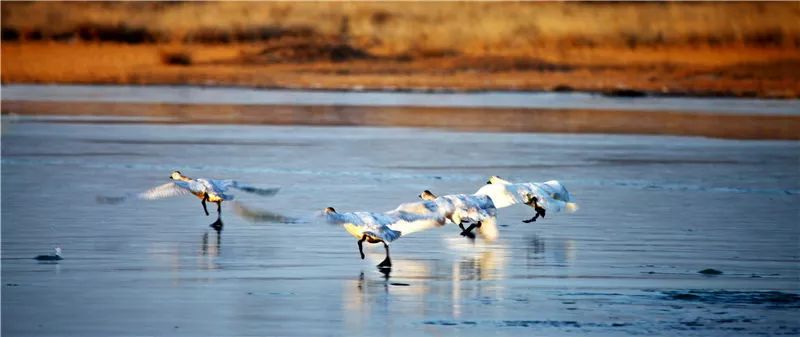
<point x="749" y="72"/>
<point x="474" y="28"/>
<point x="746" y="49"/>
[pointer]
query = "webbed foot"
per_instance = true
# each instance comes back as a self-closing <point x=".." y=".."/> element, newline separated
<point x="217" y="225"/>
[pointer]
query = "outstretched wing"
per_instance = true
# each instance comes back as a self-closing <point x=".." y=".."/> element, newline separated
<point x="264" y="192"/>
<point x="223" y="185"/>
<point x="409" y="223"/>
<point x="172" y="189"/>
<point x="501" y="195"/>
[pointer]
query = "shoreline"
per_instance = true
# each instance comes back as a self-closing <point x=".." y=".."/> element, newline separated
<point x="612" y="93"/>
<point x="682" y="123"/>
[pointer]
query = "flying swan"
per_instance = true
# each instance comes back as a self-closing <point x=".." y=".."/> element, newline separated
<point x="549" y="195"/>
<point x="207" y="190"/>
<point x="386" y="227"/>
<point x="477" y="210"/>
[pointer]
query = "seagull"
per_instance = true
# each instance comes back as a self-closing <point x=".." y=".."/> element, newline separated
<point x="51" y="257"/>
<point x="550" y="195"/>
<point x="383" y="227"/>
<point x="207" y="190"/>
<point x="478" y="210"/>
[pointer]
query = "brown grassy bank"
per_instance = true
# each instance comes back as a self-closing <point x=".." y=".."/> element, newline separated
<point x="731" y="49"/>
<point x="752" y="73"/>
<point x="473" y="119"/>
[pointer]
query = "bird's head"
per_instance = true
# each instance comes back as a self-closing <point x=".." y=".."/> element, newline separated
<point x="494" y="180"/>
<point x="329" y="210"/>
<point x="176" y="175"/>
<point x="58" y="251"/>
<point x="427" y="195"/>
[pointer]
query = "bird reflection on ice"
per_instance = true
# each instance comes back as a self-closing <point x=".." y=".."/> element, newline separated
<point x="209" y="251"/>
<point x="549" y="251"/>
<point x="419" y="285"/>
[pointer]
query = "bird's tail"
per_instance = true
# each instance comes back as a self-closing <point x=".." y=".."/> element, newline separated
<point x="571" y="207"/>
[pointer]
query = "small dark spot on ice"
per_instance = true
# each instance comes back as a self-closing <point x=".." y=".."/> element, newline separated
<point x="440" y="323"/>
<point x="469" y="322"/>
<point x="726" y="320"/>
<point x="692" y="323"/>
<point x="568" y="302"/>
<point x="249" y="293"/>
<point x="175" y="327"/>
<point x="400" y="284"/>
<point x="437" y="178"/>
<point x="686" y="297"/>
<point x="620" y="324"/>
<point x="710" y="271"/>
<point x="12" y="284"/>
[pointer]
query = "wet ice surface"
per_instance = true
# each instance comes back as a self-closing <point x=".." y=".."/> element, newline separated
<point x="654" y="212"/>
<point x="489" y="99"/>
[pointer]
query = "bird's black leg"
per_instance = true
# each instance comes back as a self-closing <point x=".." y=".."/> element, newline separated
<point x="361" y="246"/>
<point x="387" y="262"/>
<point x="539" y="212"/>
<point x="531" y="219"/>
<point x="463" y="230"/>
<point x="468" y="232"/>
<point x="219" y="208"/>
<point x="205" y="197"/>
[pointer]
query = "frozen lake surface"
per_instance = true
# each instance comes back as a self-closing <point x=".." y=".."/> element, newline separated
<point x="654" y="212"/>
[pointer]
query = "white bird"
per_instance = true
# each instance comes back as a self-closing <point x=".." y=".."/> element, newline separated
<point x="211" y="190"/>
<point x="549" y="195"/>
<point x="476" y="209"/>
<point x="384" y="227"/>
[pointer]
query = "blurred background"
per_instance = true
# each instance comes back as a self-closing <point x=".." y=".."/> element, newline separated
<point x="667" y="48"/>
<point x="678" y="233"/>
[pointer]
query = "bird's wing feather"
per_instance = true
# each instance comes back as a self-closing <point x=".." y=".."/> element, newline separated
<point x="421" y="223"/>
<point x="171" y="189"/>
<point x="224" y="185"/>
<point x="501" y="195"/>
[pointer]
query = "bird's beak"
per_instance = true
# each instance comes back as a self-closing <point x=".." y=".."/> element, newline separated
<point x="419" y="196"/>
<point x="488" y="182"/>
